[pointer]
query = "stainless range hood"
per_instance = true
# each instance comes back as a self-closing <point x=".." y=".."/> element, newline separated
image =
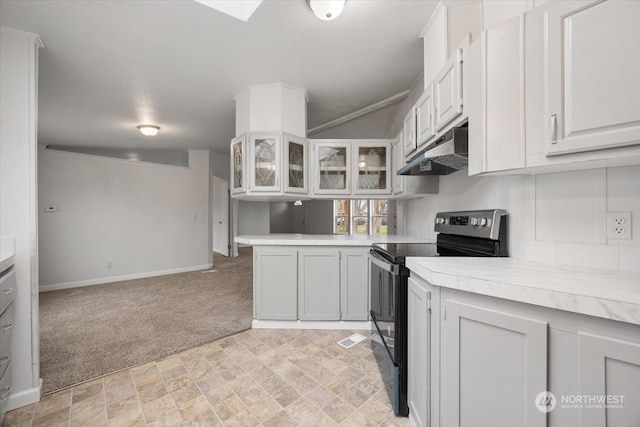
<point x="447" y="154"/>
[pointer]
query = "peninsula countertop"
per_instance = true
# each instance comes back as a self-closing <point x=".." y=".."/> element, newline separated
<point x="607" y="294"/>
<point x="283" y="239"/>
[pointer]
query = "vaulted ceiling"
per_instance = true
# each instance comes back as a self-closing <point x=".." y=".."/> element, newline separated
<point x="108" y="66"/>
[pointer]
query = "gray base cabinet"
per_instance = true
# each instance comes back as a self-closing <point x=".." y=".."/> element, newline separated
<point x="311" y="283"/>
<point x="494" y="363"/>
<point x="476" y="360"/>
<point x="354" y="283"/>
<point x="318" y="284"/>
<point x="418" y="349"/>
<point x="275" y="283"/>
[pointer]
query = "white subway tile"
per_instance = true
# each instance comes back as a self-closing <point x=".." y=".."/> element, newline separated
<point x="542" y="252"/>
<point x="572" y="254"/>
<point x="605" y="257"/>
<point x="630" y="258"/>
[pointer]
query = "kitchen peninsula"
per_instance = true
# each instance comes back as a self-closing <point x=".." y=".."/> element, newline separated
<point x="313" y="280"/>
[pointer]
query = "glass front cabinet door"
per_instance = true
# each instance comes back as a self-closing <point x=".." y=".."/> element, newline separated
<point x="332" y="167"/>
<point x="265" y="161"/>
<point x="295" y="156"/>
<point x="372" y="161"/>
<point x="238" y="168"/>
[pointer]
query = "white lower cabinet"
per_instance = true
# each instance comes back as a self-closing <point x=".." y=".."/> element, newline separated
<point x="354" y="283"/>
<point x="318" y="284"/>
<point x="275" y="282"/>
<point x="494" y="363"/>
<point x="311" y="283"/>
<point x="479" y="361"/>
<point x="418" y="349"/>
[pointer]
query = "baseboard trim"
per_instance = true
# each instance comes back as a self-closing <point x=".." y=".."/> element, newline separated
<point x="103" y="280"/>
<point x="24" y="397"/>
<point x="338" y="325"/>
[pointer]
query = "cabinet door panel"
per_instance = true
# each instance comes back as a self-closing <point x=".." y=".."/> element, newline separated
<point x="354" y="284"/>
<point x="319" y="284"/>
<point x="238" y="168"/>
<point x="424" y="117"/>
<point x="332" y="166"/>
<point x="296" y="160"/>
<point x="418" y="353"/>
<point x="610" y="367"/>
<point x="592" y="73"/>
<point x="265" y="155"/>
<point x="409" y="132"/>
<point x="448" y="92"/>
<point x="276" y="282"/>
<point x="372" y="161"/>
<point x="398" y="162"/>
<point x="491" y="350"/>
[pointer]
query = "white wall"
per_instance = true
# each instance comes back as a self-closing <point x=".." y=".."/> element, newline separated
<point x="144" y="218"/>
<point x="555" y="218"/>
<point x="220" y="164"/>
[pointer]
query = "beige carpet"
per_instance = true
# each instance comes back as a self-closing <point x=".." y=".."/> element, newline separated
<point x="95" y="330"/>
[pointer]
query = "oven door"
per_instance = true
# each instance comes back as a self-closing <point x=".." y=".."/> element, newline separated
<point x="384" y="277"/>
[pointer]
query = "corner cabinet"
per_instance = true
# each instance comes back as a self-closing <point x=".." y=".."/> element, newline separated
<point x="269" y="166"/>
<point x="592" y="69"/>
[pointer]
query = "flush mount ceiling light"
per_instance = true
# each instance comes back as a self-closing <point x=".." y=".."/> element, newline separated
<point x="326" y="9"/>
<point x="149" y="130"/>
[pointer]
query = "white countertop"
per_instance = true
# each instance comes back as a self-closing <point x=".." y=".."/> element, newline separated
<point x="7" y="252"/>
<point x="611" y="295"/>
<point x="323" y="240"/>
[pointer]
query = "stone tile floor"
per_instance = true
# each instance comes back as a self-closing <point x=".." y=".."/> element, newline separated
<point x="255" y="378"/>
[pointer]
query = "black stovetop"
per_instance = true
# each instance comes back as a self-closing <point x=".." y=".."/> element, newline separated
<point x="397" y="252"/>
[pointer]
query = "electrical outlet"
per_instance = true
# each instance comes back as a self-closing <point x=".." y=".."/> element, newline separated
<point x="109" y="264"/>
<point x="619" y="225"/>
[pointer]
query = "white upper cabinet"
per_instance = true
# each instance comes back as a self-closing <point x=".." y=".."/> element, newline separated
<point x="372" y="161"/>
<point x="397" y="156"/>
<point x="264" y="157"/>
<point x="268" y="160"/>
<point x="592" y="72"/>
<point x="409" y="133"/>
<point x="450" y="24"/>
<point x="295" y="156"/>
<point x="495" y="99"/>
<point x="425" y="126"/>
<point x="331" y="167"/>
<point x="447" y="88"/>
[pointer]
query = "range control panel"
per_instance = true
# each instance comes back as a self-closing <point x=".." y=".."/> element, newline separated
<point x="484" y="223"/>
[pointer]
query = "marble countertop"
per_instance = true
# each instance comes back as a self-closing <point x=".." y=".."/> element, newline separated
<point x="606" y="294"/>
<point x="324" y="240"/>
<point x="7" y="252"/>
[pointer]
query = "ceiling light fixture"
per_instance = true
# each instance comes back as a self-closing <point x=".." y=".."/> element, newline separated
<point x="326" y="9"/>
<point x="149" y="130"/>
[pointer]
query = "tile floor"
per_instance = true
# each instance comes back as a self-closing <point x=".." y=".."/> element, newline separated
<point x="256" y="378"/>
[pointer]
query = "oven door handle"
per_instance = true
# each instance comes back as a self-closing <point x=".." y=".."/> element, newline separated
<point x="382" y="263"/>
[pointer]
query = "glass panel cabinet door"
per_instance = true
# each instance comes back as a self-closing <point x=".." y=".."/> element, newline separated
<point x="237" y="165"/>
<point x="332" y="163"/>
<point x="265" y="153"/>
<point x="373" y="169"/>
<point x="296" y="158"/>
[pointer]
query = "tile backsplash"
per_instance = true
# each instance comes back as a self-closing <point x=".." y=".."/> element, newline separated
<point x="558" y="219"/>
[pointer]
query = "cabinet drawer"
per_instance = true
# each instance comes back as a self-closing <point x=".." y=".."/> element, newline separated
<point x="7" y="289"/>
<point x="6" y="331"/>
<point x="5" y="391"/>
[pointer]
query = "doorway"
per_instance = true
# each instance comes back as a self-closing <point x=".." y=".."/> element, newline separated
<point x="220" y="215"/>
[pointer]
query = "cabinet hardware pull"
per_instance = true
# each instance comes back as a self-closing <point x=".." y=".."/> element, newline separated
<point x="9" y="291"/>
<point x="554" y="129"/>
<point x="7" y="328"/>
<point x="4" y="360"/>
